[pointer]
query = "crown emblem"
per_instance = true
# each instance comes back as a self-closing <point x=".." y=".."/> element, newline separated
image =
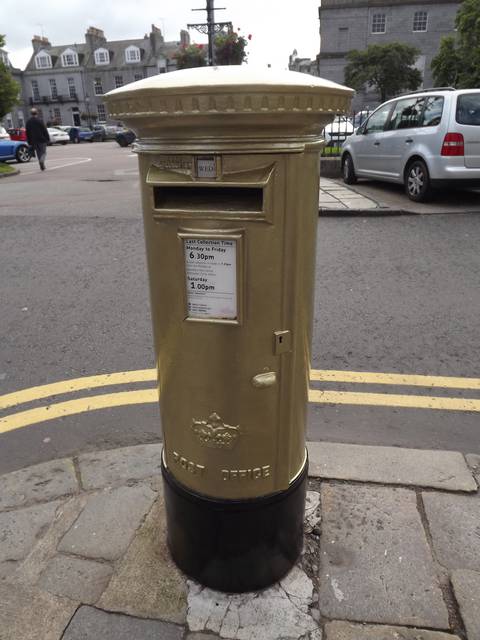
<point x="214" y="433"/>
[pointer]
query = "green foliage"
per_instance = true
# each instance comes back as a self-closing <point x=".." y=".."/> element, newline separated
<point x="9" y="89"/>
<point x="230" y="48"/>
<point x="192" y="56"/>
<point x="387" y="67"/>
<point x="446" y="65"/>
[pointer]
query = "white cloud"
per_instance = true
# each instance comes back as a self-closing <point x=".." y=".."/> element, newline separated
<point x="277" y="26"/>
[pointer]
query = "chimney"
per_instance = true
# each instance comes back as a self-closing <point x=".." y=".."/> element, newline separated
<point x="156" y="39"/>
<point x="40" y="42"/>
<point x="184" y="38"/>
<point x="95" y="38"/>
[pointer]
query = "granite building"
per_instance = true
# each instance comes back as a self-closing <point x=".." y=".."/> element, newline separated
<point x="16" y="117"/>
<point x="355" y="24"/>
<point x="66" y="83"/>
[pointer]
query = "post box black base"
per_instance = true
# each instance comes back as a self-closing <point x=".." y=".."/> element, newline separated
<point x="235" y="545"/>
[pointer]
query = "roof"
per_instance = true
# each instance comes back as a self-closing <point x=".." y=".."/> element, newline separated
<point x="116" y="49"/>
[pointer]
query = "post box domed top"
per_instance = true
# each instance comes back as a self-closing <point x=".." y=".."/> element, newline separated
<point x="206" y="96"/>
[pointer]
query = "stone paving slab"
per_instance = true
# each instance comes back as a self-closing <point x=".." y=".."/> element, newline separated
<point x="375" y="563"/>
<point x="76" y="578"/>
<point x="119" y="466"/>
<point x="473" y="460"/>
<point x="20" y="530"/>
<point x="466" y="585"/>
<point x="108" y="522"/>
<point x="30" y="614"/>
<point x="147" y="583"/>
<point x="29" y="570"/>
<point x="92" y="624"/>
<point x="390" y="465"/>
<point x="42" y="482"/>
<point x="455" y="528"/>
<point x="282" y="611"/>
<point x="350" y="631"/>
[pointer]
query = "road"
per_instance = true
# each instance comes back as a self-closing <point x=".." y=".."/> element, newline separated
<point x="393" y="295"/>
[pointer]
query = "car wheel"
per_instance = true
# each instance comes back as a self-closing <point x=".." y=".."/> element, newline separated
<point x="122" y="142"/>
<point x="22" y="154"/>
<point x="417" y="181"/>
<point x="348" y="170"/>
<point x="64" y="142"/>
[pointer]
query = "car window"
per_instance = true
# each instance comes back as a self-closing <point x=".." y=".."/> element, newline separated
<point x="432" y="113"/>
<point x="468" y="109"/>
<point x="377" y="120"/>
<point x="407" y="113"/>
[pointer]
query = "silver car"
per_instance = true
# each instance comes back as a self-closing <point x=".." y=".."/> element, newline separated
<point x="423" y="140"/>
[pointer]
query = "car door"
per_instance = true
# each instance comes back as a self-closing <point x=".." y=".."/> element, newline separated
<point x="467" y="118"/>
<point x="368" y="142"/>
<point x="401" y="134"/>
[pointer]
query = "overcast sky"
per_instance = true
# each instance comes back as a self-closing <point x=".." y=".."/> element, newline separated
<point x="277" y="26"/>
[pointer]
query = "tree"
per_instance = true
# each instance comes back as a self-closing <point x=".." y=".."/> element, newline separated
<point x="192" y="56"/>
<point x="461" y="52"/>
<point x="9" y="89"/>
<point x="446" y="65"/>
<point x="387" y="67"/>
<point x="230" y="48"/>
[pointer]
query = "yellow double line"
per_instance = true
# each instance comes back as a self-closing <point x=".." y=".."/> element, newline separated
<point x="149" y="395"/>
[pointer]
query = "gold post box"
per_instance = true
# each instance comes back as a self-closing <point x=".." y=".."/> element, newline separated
<point x="229" y="166"/>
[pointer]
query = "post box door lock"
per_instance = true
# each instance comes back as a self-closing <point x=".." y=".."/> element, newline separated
<point x="266" y="379"/>
<point x="282" y="342"/>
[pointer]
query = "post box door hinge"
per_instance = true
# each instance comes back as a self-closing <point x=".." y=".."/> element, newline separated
<point x="282" y="342"/>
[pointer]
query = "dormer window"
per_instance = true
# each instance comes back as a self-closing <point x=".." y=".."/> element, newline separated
<point x="69" y="58"/>
<point x="132" y="54"/>
<point x="102" y="56"/>
<point x="43" y="60"/>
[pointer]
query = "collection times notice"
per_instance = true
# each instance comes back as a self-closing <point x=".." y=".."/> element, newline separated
<point x="211" y="267"/>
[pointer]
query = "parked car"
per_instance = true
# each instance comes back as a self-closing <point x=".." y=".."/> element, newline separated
<point x="14" y="150"/>
<point x="423" y="140"/>
<point x="107" y="132"/>
<point x="18" y="133"/>
<point x="125" y="137"/>
<point x="82" y="134"/>
<point x="57" y="136"/>
<point x="337" y="131"/>
<point x="4" y="134"/>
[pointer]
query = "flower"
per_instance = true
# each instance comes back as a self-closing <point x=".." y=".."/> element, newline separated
<point x="249" y="36"/>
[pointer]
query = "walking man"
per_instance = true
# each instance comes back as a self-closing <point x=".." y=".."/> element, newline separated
<point x="37" y="137"/>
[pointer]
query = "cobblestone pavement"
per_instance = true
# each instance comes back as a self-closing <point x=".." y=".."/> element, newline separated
<point x="392" y="552"/>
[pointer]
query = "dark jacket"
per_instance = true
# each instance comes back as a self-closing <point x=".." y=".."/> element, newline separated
<point x="36" y="131"/>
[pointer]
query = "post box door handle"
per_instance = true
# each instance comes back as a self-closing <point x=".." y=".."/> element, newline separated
<point x="262" y="380"/>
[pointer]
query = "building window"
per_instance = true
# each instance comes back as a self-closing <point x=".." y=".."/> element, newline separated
<point x="102" y="56"/>
<point x="132" y="54"/>
<point x="21" y="119"/>
<point x="35" y="91"/>
<point x="420" y="19"/>
<point x="69" y="58"/>
<point x="118" y="82"/>
<point x="43" y="60"/>
<point x="72" y="92"/>
<point x="53" y="88"/>
<point x="57" y="114"/>
<point x="102" y="112"/>
<point x="378" y="23"/>
<point x="97" y="87"/>
<point x="138" y="76"/>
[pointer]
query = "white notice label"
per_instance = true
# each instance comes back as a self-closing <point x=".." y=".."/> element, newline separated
<point x="211" y="267"/>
